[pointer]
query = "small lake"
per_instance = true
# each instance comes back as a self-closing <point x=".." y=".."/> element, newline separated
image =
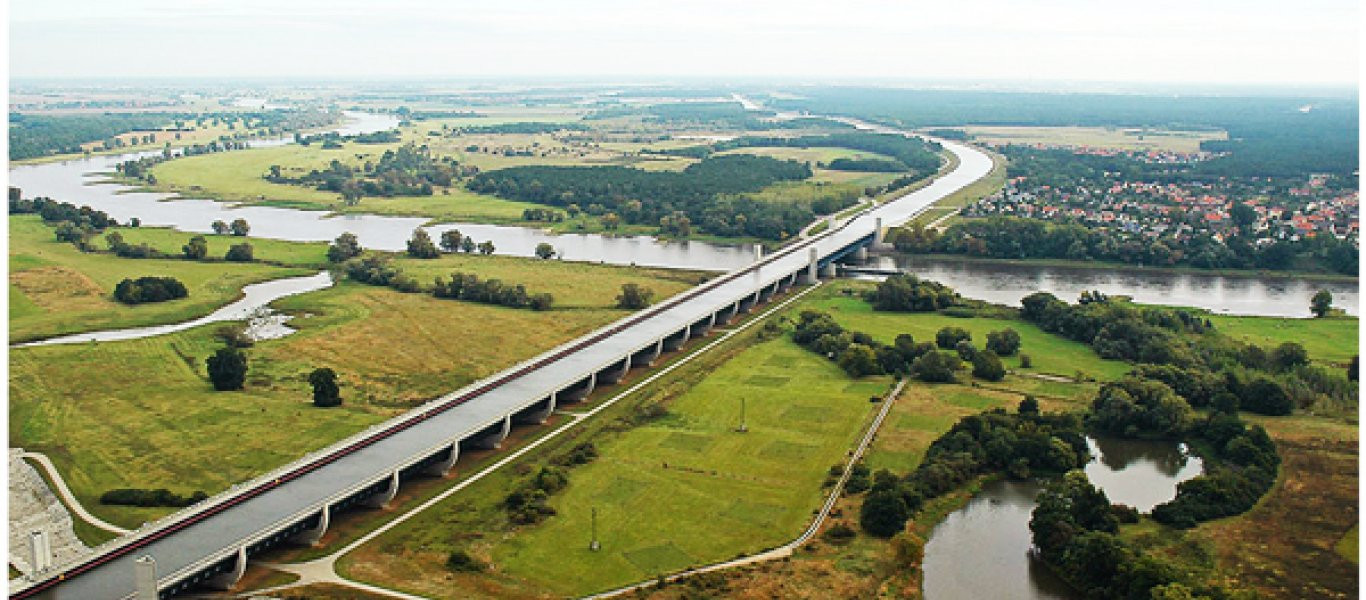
<point x="1008" y="283"/>
<point x="982" y="549"/>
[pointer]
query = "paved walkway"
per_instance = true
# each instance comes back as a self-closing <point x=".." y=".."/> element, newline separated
<point x="69" y="498"/>
<point x="324" y="570"/>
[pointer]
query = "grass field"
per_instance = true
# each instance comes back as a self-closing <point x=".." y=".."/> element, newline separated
<point x="152" y="420"/>
<point x="1098" y="137"/>
<point x="56" y="289"/>
<point x="1332" y="340"/>
<point x="1049" y="353"/>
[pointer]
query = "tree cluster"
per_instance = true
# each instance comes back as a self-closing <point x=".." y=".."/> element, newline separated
<point x="707" y="193"/>
<point x="149" y="289"/>
<point x="468" y="287"/>
<point x="1020" y="445"/>
<point x="526" y="505"/>
<point x="1241" y="470"/>
<point x="908" y="293"/>
<point x="859" y="354"/>
<point x="148" y="498"/>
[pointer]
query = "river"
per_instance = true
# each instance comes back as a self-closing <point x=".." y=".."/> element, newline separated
<point x="1008" y="283"/>
<point x="75" y="181"/>
<point x="982" y="549"/>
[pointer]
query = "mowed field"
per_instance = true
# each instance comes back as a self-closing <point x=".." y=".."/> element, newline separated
<point x="56" y="289"/>
<point x="1330" y="340"/>
<point x="1098" y="137"/>
<point x="141" y="413"/>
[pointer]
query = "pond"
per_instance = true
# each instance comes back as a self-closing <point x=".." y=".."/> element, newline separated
<point x="982" y="549"/>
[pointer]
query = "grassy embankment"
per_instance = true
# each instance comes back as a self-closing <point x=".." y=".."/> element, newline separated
<point x="56" y="289"/>
<point x="147" y="417"/>
<point x="990" y="184"/>
<point x="722" y="493"/>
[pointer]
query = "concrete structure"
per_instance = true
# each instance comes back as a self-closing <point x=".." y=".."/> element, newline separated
<point x="209" y="544"/>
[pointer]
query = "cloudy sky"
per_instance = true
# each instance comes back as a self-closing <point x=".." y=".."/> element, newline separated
<point x="1185" y="41"/>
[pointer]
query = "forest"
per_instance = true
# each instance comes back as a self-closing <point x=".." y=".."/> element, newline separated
<point x="707" y="193"/>
<point x="1269" y="135"/>
<point x="32" y="136"/>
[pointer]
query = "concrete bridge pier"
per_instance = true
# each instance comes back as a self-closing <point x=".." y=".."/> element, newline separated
<point x="703" y="327"/>
<point x="812" y="275"/>
<point x="225" y="581"/>
<point x="310" y="536"/>
<point x="747" y="304"/>
<point x="489" y="441"/>
<point x="648" y="356"/>
<point x="442" y="467"/>
<point x="861" y="255"/>
<point x="615" y="374"/>
<point x="676" y="341"/>
<point x="539" y="417"/>
<point x="575" y="393"/>
<point x="379" y="499"/>
<point x="724" y="315"/>
<point x="828" y="271"/>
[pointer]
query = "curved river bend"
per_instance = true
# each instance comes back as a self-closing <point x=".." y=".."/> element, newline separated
<point x="982" y="549"/>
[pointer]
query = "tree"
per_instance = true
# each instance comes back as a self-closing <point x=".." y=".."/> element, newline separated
<point x="545" y="251"/>
<point x="634" y="296"/>
<point x="227" y="369"/>
<point x="610" y="221"/>
<point x="344" y="248"/>
<point x="196" y="249"/>
<point x="948" y="337"/>
<point x="450" y="240"/>
<point x="1244" y="217"/>
<point x="467" y="245"/>
<point x="220" y="228"/>
<point x="1029" y="407"/>
<point x="935" y="367"/>
<point x="1322" y="303"/>
<point x="858" y="360"/>
<point x="884" y="513"/>
<point x="421" y="246"/>
<point x="1288" y="356"/>
<point x="239" y="227"/>
<point x="986" y="365"/>
<point x="239" y="253"/>
<point x="325" y="390"/>
<point x="1004" y="343"/>
<point x="486" y="247"/>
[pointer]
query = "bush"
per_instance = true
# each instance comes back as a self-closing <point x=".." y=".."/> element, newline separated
<point x="325" y="390"/>
<point x="239" y="253"/>
<point x="1026" y="362"/>
<point x="987" y="366"/>
<point x="884" y="514"/>
<point x="196" y="249"/>
<point x="344" y="248"/>
<point x="149" y="289"/>
<point x="634" y="296"/>
<point x="839" y="533"/>
<point x="421" y="246"/>
<point x="1004" y="343"/>
<point x="460" y="561"/>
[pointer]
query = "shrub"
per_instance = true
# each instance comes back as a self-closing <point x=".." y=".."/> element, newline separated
<point x="325" y="390"/>
<point x="227" y="369"/>
<point x="239" y="253"/>
<point x="460" y="561"/>
<point x="141" y="497"/>
<point x="987" y="366"/>
<point x="634" y="296"/>
<point x="935" y="367"/>
<point x="1004" y="343"/>
<point x="884" y="514"/>
<point x="948" y="337"/>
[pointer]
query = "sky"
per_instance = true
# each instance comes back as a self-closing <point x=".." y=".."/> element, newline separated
<point x="1276" y="43"/>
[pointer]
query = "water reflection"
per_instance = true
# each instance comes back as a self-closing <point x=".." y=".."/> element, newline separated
<point x="982" y="549"/>
<point x="1008" y="283"/>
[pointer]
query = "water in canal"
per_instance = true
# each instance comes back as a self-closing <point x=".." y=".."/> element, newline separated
<point x="982" y="549"/>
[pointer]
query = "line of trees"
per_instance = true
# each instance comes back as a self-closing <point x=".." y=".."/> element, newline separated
<point x="1007" y="237"/>
<point x="379" y="270"/>
<point x="147" y="498"/>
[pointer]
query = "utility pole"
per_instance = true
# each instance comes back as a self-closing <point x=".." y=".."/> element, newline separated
<point x="743" y="427"/>
<point x="594" y="545"/>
